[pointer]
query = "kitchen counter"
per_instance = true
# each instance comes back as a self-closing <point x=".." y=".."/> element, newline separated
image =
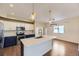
<point x="36" y="46"/>
<point x="34" y="41"/>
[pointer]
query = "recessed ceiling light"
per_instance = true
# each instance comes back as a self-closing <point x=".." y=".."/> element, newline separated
<point x="11" y="5"/>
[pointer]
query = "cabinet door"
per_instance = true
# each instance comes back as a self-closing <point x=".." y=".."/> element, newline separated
<point x="9" y="25"/>
<point x="26" y="26"/>
<point x="10" y="41"/>
<point x="31" y="27"/>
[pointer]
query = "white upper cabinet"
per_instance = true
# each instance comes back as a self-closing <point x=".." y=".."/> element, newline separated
<point x="9" y="25"/>
<point x="31" y="27"/>
<point x="26" y="26"/>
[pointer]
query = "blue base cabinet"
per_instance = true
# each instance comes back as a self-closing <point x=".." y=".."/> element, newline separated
<point x="31" y="35"/>
<point x="10" y="41"/>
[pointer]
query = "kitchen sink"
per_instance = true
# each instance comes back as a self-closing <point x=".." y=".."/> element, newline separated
<point x="38" y="37"/>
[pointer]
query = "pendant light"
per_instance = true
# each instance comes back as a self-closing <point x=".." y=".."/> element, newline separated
<point x="51" y="21"/>
<point x="33" y="12"/>
<point x="49" y="16"/>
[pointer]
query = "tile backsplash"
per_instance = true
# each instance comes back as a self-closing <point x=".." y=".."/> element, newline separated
<point x="13" y="32"/>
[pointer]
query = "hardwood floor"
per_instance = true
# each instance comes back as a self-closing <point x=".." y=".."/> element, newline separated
<point x="63" y="48"/>
<point x="60" y="48"/>
<point x="11" y="51"/>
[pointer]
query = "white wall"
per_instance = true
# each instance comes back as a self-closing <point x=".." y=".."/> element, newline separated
<point x="71" y="33"/>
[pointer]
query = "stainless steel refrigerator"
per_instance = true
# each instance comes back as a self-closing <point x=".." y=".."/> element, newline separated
<point x="1" y="35"/>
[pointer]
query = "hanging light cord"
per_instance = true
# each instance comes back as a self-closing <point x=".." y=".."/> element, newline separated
<point x="33" y="12"/>
<point x="49" y="15"/>
<point x="32" y="7"/>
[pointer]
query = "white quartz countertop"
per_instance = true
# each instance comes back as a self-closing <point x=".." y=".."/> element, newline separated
<point x="34" y="41"/>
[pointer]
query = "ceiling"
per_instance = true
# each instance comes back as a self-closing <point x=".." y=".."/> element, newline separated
<point x="22" y="11"/>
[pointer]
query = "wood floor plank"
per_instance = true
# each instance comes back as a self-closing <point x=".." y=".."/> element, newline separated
<point x="64" y="48"/>
<point x="11" y="51"/>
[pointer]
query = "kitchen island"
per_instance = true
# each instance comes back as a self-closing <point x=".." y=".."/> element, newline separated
<point x="37" y="46"/>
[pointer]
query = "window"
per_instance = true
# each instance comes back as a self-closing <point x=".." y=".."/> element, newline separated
<point x="58" y="29"/>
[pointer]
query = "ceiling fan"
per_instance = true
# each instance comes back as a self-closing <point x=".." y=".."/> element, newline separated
<point x="51" y="21"/>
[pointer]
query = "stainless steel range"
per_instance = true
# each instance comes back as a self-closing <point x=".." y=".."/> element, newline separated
<point x="20" y="32"/>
